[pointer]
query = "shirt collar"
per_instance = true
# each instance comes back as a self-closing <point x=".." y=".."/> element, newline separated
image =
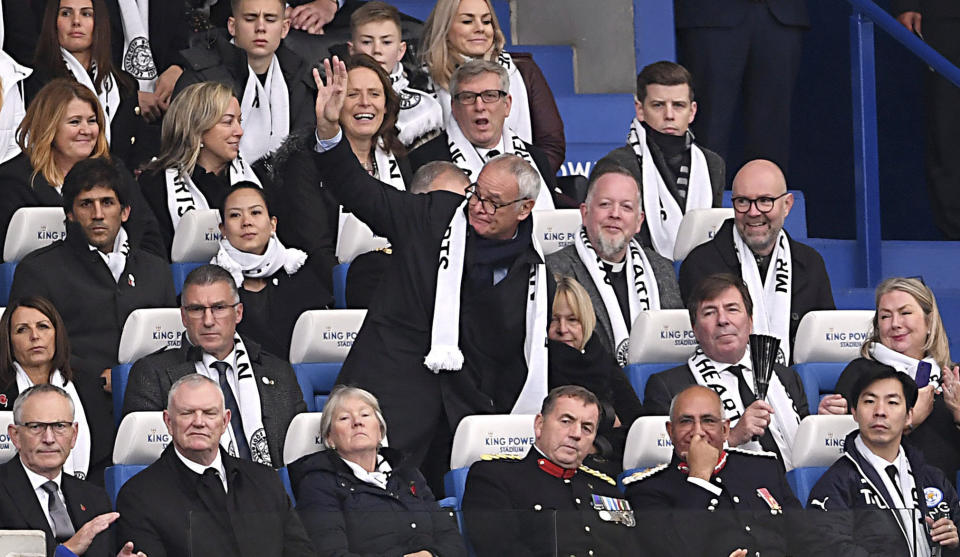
<point x="217" y="465"/>
<point x="876" y="461"/>
<point x="499" y="147"/>
<point x="36" y="480"/>
<point x="553" y="468"/>
<point x="231" y="359"/>
<point x="378" y="477"/>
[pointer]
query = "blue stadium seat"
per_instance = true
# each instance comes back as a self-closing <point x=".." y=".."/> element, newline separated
<point x="818" y="444"/>
<point x="647" y="445"/>
<point x="6" y="280"/>
<point x="141" y="438"/>
<point x="320" y="342"/>
<point x="826" y="341"/>
<point x="659" y="340"/>
<point x="316" y="381"/>
<point x="179" y="271"/>
<point x="819" y="379"/>
<point x="195" y="242"/>
<point x="119" y="376"/>
<point x="340" y="285"/>
<point x="802" y="480"/>
<point x="285" y="480"/>
<point x="30" y="228"/>
<point x="639" y="373"/>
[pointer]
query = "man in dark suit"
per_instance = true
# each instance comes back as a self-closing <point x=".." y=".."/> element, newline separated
<point x="35" y="493"/>
<point x="743" y="49"/>
<point x="260" y="390"/>
<point x="621" y="277"/>
<point x="720" y="308"/>
<point x="477" y="133"/>
<point x="786" y="279"/>
<point x="710" y="500"/>
<point x="198" y="500"/>
<point x="660" y="144"/>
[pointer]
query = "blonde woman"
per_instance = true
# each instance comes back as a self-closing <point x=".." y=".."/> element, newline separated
<point x="461" y="30"/>
<point x="199" y="156"/>
<point x="61" y="127"/>
<point x="908" y="335"/>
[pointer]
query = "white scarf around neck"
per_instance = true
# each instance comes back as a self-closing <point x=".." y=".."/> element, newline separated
<point x="420" y="113"/>
<point x="445" y="354"/>
<point x="661" y="209"/>
<point x="388" y="170"/>
<point x="644" y="296"/>
<point x="266" y="112"/>
<point x="137" y="56"/>
<point x="466" y="156"/>
<point x="12" y="76"/>
<point x="116" y="260"/>
<point x="771" y="297"/>
<point x="242" y="264"/>
<point x="109" y="97"/>
<point x="904" y="363"/>
<point x="709" y="373"/>
<point x="183" y="195"/>
<point x="78" y="462"/>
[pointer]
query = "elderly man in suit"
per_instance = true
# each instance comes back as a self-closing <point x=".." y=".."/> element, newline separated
<point x="261" y="391"/>
<point x="35" y="493"/>
<point x="198" y="500"/>
<point x="622" y="277"/>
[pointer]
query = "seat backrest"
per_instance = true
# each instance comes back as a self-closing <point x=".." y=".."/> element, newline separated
<point x="639" y="374"/>
<point x="555" y="229"/>
<point x="325" y="335"/>
<point x="647" y="443"/>
<point x="482" y="434"/>
<point x="23" y="543"/>
<point x="832" y="336"/>
<point x="197" y="237"/>
<point x="356" y="238"/>
<point x="819" y="379"/>
<point x="660" y="336"/>
<point x="141" y="438"/>
<point x="303" y="436"/>
<point x="819" y="440"/>
<point x="148" y="330"/>
<point x="7" y="450"/>
<point x="697" y="227"/>
<point x="31" y="228"/>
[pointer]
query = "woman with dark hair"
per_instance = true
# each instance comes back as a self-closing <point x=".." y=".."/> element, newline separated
<point x="276" y="284"/>
<point x="74" y="42"/>
<point x="34" y="349"/>
<point x="62" y="127"/>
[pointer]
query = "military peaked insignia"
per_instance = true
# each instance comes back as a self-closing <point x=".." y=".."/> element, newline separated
<point x="768" y="454"/>
<point x="598" y="474"/>
<point x="645" y="473"/>
<point x="611" y="509"/>
<point x="501" y="456"/>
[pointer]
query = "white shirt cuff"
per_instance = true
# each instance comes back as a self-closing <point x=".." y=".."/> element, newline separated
<point x="324" y="145"/>
<point x="706" y="485"/>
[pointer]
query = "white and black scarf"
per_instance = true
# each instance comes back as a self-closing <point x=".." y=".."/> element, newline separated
<point x="12" y="76"/>
<point x="420" y="113"/>
<point x="78" y="461"/>
<point x="248" y="400"/>
<point x="644" y="296"/>
<point x="786" y="421"/>
<point x="183" y="195"/>
<point x="109" y="97"/>
<point x="662" y="210"/>
<point x="242" y="264"/>
<point x="137" y="56"/>
<point x="116" y="260"/>
<point x="387" y="168"/>
<point x="904" y="363"/>
<point x="266" y="112"/>
<point x="445" y="354"/>
<point x="771" y="297"/>
<point x="465" y="155"/>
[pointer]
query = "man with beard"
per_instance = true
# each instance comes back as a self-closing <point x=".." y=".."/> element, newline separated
<point x="621" y="277"/>
<point x="786" y="279"/>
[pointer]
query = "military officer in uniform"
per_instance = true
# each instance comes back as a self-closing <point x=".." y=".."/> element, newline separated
<point x="737" y="498"/>
<point x="549" y="503"/>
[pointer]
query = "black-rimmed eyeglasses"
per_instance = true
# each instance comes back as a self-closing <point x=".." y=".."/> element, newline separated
<point x="39" y="428"/>
<point x="218" y="310"/>
<point x="488" y="205"/>
<point x="764" y="204"/>
<point x="489" y="96"/>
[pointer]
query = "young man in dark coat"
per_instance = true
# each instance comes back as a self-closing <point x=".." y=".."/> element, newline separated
<point x="786" y="279"/>
<point x="880" y="498"/>
<point x="96" y="276"/>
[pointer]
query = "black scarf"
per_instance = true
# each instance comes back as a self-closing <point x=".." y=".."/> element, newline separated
<point x="671" y="155"/>
<point x="485" y="254"/>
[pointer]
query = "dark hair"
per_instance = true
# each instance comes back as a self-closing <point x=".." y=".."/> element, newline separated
<point x="244" y="185"/>
<point x="601" y="169"/>
<point x="88" y="174"/>
<point x="388" y="129"/>
<point x="61" y="354"/>
<point x="662" y="73"/>
<point x="573" y="391"/>
<point x="712" y="286"/>
<point x="48" y="57"/>
<point x="875" y="371"/>
<point x="374" y="11"/>
<point x="210" y="274"/>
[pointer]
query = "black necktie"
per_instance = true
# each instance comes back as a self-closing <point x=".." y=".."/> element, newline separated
<point x="746" y="393"/>
<point x="210" y="482"/>
<point x="893" y="473"/>
<point x="236" y="422"/>
<point x="62" y="527"/>
<point x="492" y="153"/>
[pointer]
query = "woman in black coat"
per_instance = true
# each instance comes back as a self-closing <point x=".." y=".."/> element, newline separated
<point x="358" y="498"/>
<point x="276" y="284"/>
<point x="34" y="350"/>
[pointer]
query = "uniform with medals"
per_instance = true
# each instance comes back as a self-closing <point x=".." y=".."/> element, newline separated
<point x="746" y="504"/>
<point x="532" y="506"/>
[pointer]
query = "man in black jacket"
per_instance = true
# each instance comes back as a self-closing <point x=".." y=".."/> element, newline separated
<point x="880" y="498"/>
<point x="96" y="276"/>
<point x="786" y="279"/>
<point x="272" y="83"/>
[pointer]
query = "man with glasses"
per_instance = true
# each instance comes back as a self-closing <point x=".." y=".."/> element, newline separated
<point x="711" y="499"/>
<point x="476" y="132"/>
<point x="35" y="493"/>
<point x="260" y="390"/>
<point x="786" y="279"/>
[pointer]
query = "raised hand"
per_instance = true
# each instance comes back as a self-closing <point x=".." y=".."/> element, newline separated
<point x="127" y="551"/>
<point x="330" y="97"/>
<point x="752" y="424"/>
<point x="81" y="541"/>
<point x="702" y="458"/>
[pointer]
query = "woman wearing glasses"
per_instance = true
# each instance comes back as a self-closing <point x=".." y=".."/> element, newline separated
<point x="462" y="30"/>
<point x="34" y="350"/>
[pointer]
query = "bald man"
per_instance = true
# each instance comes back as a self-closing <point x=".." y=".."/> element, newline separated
<point x="786" y="279"/>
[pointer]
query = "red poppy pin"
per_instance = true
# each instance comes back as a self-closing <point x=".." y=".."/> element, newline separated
<point x="83" y="507"/>
<point x="413" y="489"/>
<point x="3" y="400"/>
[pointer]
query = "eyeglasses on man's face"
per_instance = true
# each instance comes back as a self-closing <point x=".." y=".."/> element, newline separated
<point x="489" y="206"/>
<point x="39" y="428"/>
<point x="196" y="311"/>
<point x="489" y="96"/>
<point x="764" y="204"/>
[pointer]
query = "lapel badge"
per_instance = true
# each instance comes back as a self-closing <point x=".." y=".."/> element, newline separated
<point x="612" y="509"/>
<point x="3" y="400"/>
<point x="83" y="507"/>
<point x="131" y="280"/>
<point x="266" y="380"/>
